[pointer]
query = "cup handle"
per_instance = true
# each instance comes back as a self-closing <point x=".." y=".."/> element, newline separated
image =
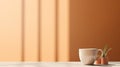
<point x="100" y="50"/>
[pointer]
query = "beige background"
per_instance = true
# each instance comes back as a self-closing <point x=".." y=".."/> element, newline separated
<point x="54" y="30"/>
<point x="10" y="30"/>
<point x="34" y="30"/>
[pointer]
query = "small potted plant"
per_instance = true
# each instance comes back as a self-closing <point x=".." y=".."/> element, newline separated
<point x="103" y="59"/>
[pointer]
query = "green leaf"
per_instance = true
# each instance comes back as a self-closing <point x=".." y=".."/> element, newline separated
<point x="104" y="50"/>
<point x="108" y="51"/>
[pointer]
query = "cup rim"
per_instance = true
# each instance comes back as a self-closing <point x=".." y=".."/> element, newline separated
<point x="88" y="48"/>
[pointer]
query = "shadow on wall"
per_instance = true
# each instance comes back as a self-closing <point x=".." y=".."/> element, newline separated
<point x="94" y="23"/>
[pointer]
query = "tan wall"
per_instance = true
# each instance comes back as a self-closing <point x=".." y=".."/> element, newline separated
<point x="94" y="23"/>
<point x="10" y="30"/>
<point x="34" y="30"/>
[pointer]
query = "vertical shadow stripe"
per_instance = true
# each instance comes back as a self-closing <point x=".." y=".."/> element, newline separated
<point x="56" y="30"/>
<point x="22" y="53"/>
<point x="38" y="30"/>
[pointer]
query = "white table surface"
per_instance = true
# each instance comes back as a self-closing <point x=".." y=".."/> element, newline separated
<point x="53" y="64"/>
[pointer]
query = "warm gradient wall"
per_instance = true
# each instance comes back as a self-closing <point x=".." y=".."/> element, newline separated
<point x="54" y="30"/>
<point x="94" y="23"/>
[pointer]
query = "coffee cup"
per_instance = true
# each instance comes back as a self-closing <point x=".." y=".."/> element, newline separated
<point x="88" y="55"/>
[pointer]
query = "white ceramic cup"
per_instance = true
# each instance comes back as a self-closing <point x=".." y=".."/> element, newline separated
<point x="88" y="55"/>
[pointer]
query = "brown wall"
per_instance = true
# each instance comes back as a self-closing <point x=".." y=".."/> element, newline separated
<point x="94" y="23"/>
